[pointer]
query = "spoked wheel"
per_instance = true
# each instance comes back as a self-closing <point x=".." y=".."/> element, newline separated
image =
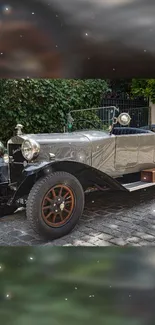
<point x="55" y="204"/>
<point x="58" y="205"/>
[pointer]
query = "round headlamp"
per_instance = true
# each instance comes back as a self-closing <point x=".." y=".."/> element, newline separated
<point x="30" y="149"/>
<point x="124" y="119"/>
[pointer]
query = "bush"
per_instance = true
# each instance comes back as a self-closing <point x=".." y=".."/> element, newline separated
<point x="144" y="87"/>
<point x="41" y="105"/>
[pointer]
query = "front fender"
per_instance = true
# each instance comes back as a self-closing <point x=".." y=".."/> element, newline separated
<point x="35" y="169"/>
<point x="86" y="174"/>
<point x="31" y="174"/>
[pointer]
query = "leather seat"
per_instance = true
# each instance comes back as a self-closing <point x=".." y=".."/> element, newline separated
<point x="129" y="130"/>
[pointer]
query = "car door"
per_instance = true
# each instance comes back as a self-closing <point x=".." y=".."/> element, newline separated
<point x="146" y="157"/>
<point x="135" y="152"/>
<point x="126" y="151"/>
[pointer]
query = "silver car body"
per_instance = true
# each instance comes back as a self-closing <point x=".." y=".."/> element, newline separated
<point x="115" y="155"/>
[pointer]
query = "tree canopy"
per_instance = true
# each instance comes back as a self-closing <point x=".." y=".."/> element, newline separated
<point x="144" y="87"/>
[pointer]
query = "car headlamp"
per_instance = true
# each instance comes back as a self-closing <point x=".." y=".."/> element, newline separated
<point x="30" y="149"/>
<point x="124" y="119"/>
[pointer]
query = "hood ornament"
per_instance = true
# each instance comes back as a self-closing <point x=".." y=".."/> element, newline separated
<point x="19" y="128"/>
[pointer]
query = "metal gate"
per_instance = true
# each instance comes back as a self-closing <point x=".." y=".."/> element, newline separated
<point x="138" y="109"/>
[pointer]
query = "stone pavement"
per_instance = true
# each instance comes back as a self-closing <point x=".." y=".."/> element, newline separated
<point x="110" y="218"/>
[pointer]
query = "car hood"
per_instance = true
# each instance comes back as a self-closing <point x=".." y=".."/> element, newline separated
<point x="73" y="137"/>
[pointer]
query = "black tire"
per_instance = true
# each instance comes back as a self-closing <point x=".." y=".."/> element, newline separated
<point x="35" y="203"/>
<point x="6" y="210"/>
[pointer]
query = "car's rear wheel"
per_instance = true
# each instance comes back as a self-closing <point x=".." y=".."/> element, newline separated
<point x="55" y="204"/>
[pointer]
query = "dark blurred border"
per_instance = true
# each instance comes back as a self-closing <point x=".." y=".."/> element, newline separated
<point x="84" y="39"/>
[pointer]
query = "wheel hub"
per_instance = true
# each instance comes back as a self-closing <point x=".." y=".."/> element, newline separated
<point x="58" y="204"/>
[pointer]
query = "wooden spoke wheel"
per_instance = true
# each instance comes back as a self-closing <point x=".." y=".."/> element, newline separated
<point x="55" y="204"/>
<point x="58" y="205"/>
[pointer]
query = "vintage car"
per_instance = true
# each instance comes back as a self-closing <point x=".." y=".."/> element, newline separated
<point x="49" y="173"/>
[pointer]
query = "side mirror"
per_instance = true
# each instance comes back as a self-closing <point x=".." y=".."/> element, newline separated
<point x="124" y="119"/>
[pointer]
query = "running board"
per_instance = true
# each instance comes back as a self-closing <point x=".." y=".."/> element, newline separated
<point x="131" y="187"/>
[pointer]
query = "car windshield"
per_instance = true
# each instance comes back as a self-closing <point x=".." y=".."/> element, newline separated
<point x="100" y="118"/>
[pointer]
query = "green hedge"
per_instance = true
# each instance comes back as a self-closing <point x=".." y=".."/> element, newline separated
<point x="41" y="105"/>
<point x="144" y="87"/>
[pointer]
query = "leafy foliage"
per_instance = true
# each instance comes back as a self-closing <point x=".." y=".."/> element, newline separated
<point x="41" y="105"/>
<point x="121" y="88"/>
<point x="144" y="87"/>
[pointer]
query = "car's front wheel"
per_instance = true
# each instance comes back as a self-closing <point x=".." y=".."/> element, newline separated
<point x="55" y="204"/>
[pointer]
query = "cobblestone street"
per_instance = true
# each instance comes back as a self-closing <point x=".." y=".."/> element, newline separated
<point x="109" y="219"/>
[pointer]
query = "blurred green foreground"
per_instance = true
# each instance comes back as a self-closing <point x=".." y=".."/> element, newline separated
<point x="76" y="286"/>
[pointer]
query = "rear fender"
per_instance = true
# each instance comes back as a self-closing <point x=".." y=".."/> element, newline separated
<point x="87" y="175"/>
